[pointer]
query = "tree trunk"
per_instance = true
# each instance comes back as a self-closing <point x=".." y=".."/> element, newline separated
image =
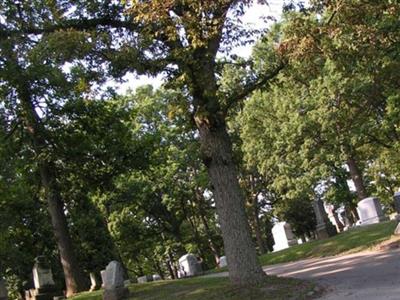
<point x="256" y="226"/>
<point x="357" y="178"/>
<point x="74" y="278"/>
<point x="169" y="267"/>
<point x="239" y="249"/>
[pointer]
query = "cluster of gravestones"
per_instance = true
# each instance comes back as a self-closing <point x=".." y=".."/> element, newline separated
<point x="369" y="211"/>
<point x="113" y="283"/>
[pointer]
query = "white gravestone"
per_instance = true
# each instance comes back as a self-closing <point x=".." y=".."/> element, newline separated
<point x="114" y="282"/>
<point x="222" y="262"/>
<point x="189" y="266"/>
<point x="397" y="230"/>
<point x="3" y="290"/>
<point x="103" y="277"/>
<point x="283" y="236"/>
<point x="370" y="211"/>
<point x="42" y="275"/>
<point x="43" y="281"/>
<point x="93" y="282"/>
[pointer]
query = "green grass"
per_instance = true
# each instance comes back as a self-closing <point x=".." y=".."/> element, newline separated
<point x="354" y="240"/>
<point x="201" y="288"/>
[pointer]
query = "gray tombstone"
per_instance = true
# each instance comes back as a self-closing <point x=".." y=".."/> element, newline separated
<point x="370" y="211"/>
<point x="223" y="262"/>
<point x="45" y="288"/>
<point x="156" y="277"/>
<point x="396" y="197"/>
<point x="189" y="266"/>
<point x="42" y="275"/>
<point x="283" y="236"/>
<point x="144" y="279"/>
<point x="3" y="290"/>
<point x="127" y="283"/>
<point x="324" y="228"/>
<point x="114" y="288"/>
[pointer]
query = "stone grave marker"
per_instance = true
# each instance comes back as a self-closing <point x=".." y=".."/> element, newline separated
<point x="103" y="277"/>
<point x="145" y="278"/>
<point x="3" y="290"/>
<point x="397" y="229"/>
<point x="114" y="288"/>
<point x="93" y="282"/>
<point x="223" y="262"/>
<point x="396" y="197"/>
<point x="324" y="227"/>
<point x="189" y="266"/>
<point x="156" y="277"/>
<point x="45" y="288"/>
<point x="283" y="236"/>
<point x="127" y="283"/>
<point x="370" y="211"/>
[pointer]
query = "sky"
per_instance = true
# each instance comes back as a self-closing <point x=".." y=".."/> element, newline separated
<point x="252" y="17"/>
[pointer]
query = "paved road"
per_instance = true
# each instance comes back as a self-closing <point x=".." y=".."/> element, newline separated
<point x="371" y="275"/>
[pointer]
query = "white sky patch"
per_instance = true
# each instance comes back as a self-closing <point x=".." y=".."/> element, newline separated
<point x="132" y="82"/>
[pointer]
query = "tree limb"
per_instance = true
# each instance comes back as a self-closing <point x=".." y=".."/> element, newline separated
<point x="249" y="88"/>
<point x="78" y="24"/>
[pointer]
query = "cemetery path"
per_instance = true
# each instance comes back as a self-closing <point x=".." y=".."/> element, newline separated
<point x="365" y="275"/>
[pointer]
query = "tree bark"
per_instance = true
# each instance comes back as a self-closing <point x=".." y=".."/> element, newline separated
<point x="239" y="249"/>
<point x="357" y="178"/>
<point x="257" y="227"/>
<point x="74" y="279"/>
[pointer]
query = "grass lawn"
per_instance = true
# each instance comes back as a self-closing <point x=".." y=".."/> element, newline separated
<point x="354" y="240"/>
<point x="201" y="288"/>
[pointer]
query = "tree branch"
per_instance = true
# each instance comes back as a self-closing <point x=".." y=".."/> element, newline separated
<point x="249" y="88"/>
<point x="78" y="24"/>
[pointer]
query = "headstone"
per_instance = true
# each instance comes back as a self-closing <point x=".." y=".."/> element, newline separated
<point x="223" y="262"/>
<point x="93" y="282"/>
<point x="144" y="279"/>
<point x="324" y="228"/>
<point x="103" y="277"/>
<point x="114" y="288"/>
<point x="189" y="266"/>
<point x="370" y="211"/>
<point x="127" y="283"/>
<point x="42" y="275"/>
<point x="156" y="277"/>
<point x="45" y="288"/>
<point x="396" y="197"/>
<point x="283" y="236"/>
<point x="3" y="290"/>
<point x="397" y="230"/>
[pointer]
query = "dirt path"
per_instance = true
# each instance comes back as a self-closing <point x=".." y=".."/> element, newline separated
<point x="365" y="275"/>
